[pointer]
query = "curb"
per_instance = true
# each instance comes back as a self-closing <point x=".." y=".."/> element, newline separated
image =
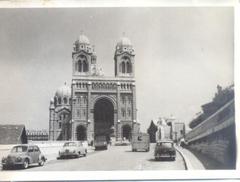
<point x="186" y="164"/>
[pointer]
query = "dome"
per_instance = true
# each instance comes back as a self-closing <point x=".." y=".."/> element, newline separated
<point x="63" y="91"/>
<point x="124" y="41"/>
<point x="83" y="39"/>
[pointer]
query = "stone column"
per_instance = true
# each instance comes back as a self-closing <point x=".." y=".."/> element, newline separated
<point x="134" y="101"/>
<point x="55" y="126"/>
<point x="118" y="121"/>
<point x="51" y="123"/>
<point x="73" y="119"/>
<point x="134" y="109"/>
<point x="89" y="119"/>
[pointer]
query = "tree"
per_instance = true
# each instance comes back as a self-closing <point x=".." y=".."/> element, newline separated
<point x="152" y="132"/>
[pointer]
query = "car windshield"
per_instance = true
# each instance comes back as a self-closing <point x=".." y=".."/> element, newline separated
<point x="165" y="144"/>
<point x="70" y="144"/>
<point x="100" y="138"/>
<point x="19" y="149"/>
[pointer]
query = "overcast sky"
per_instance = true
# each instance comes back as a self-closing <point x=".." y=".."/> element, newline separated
<point x="181" y="56"/>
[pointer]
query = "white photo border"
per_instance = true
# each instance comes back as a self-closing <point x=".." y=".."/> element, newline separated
<point x="139" y="175"/>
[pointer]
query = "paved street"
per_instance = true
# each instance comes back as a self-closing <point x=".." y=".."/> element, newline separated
<point x="115" y="158"/>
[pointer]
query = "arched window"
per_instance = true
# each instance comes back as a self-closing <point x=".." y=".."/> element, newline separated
<point x="65" y="100"/>
<point x="129" y="99"/>
<point x="85" y="66"/>
<point x="55" y="101"/>
<point x="80" y="66"/>
<point x="59" y="100"/>
<point x="123" y="67"/>
<point x="120" y="67"/>
<point x="129" y="67"/>
<point x="60" y="125"/>
<point x="123" y="112"/>
<point x="129" y="112"/>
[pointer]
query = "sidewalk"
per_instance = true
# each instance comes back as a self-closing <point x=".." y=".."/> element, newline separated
<point x="192" y="162"/>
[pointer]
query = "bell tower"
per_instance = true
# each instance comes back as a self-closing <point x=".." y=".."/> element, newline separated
<point x="124" y="58"/>
<point x="84" y="57"/>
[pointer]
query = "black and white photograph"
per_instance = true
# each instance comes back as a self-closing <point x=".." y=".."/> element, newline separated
<point x="117" y="89"/>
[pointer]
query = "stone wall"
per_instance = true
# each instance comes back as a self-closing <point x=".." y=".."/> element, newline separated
<point x="220" y="147"/>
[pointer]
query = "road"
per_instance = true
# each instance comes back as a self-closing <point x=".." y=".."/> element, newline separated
<point x="115" y="158"/>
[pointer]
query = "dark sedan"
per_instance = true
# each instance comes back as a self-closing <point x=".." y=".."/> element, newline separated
<point x="165" y="149"/>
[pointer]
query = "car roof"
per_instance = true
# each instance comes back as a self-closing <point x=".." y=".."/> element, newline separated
<point x="27" y="145"/>
<point x="165" y="141"/>
<point x="77" y="142"/>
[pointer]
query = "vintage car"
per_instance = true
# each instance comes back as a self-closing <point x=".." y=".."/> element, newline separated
<point x="100" y="142"/>
<point x="23" y="155"/>
<point x="140" y="142"/>
<point x="72" y="149"/>
<point x="165" y="149"/>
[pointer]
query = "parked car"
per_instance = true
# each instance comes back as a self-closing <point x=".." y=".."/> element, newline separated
<point x="100" y="142"/>
<point x="122" y="143"/>
<point x="165" y="149"/>
<point x="72" y="149"/>
<point x="140" y="142"/>
<point x="24" y="155"/>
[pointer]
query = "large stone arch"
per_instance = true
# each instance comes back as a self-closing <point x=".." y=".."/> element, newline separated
<point x="108" y="97"/>
<point x="104" y="115"/>
<point x="127" y="132"/>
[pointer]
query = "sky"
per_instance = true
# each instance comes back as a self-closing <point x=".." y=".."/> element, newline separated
<point x="182" y="54"/>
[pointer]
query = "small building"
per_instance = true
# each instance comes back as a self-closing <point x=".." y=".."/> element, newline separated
<point x="178" y="130"/>
<point x="13" y="134"/>
<point x="37" y="135"/>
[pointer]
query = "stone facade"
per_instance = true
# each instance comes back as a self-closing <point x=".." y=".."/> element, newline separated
<point x="95" y="104"/>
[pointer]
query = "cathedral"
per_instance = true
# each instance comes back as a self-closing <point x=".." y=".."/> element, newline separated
<point x="96" y="104"/>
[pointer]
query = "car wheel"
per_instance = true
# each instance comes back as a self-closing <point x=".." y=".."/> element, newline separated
<point x="85" y="153"/>
<point x="25" y="163"/>
<point x="173" y="158"/>
<point x="4" y="167"/>
<point x="41" y="162"/>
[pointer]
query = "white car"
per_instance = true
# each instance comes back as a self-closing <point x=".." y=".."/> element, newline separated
<point x="73" y="149"/>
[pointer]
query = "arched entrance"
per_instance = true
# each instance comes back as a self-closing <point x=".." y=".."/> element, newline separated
<point x="103" y="117"/>
<point x="126" y="132"/>
<point x="81" y="132"/>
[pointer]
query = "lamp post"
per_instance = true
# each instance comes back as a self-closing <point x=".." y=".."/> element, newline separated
<point x="118" y="128"/>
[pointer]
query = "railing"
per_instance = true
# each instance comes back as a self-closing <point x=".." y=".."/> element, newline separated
<point x="223" y="118"/>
